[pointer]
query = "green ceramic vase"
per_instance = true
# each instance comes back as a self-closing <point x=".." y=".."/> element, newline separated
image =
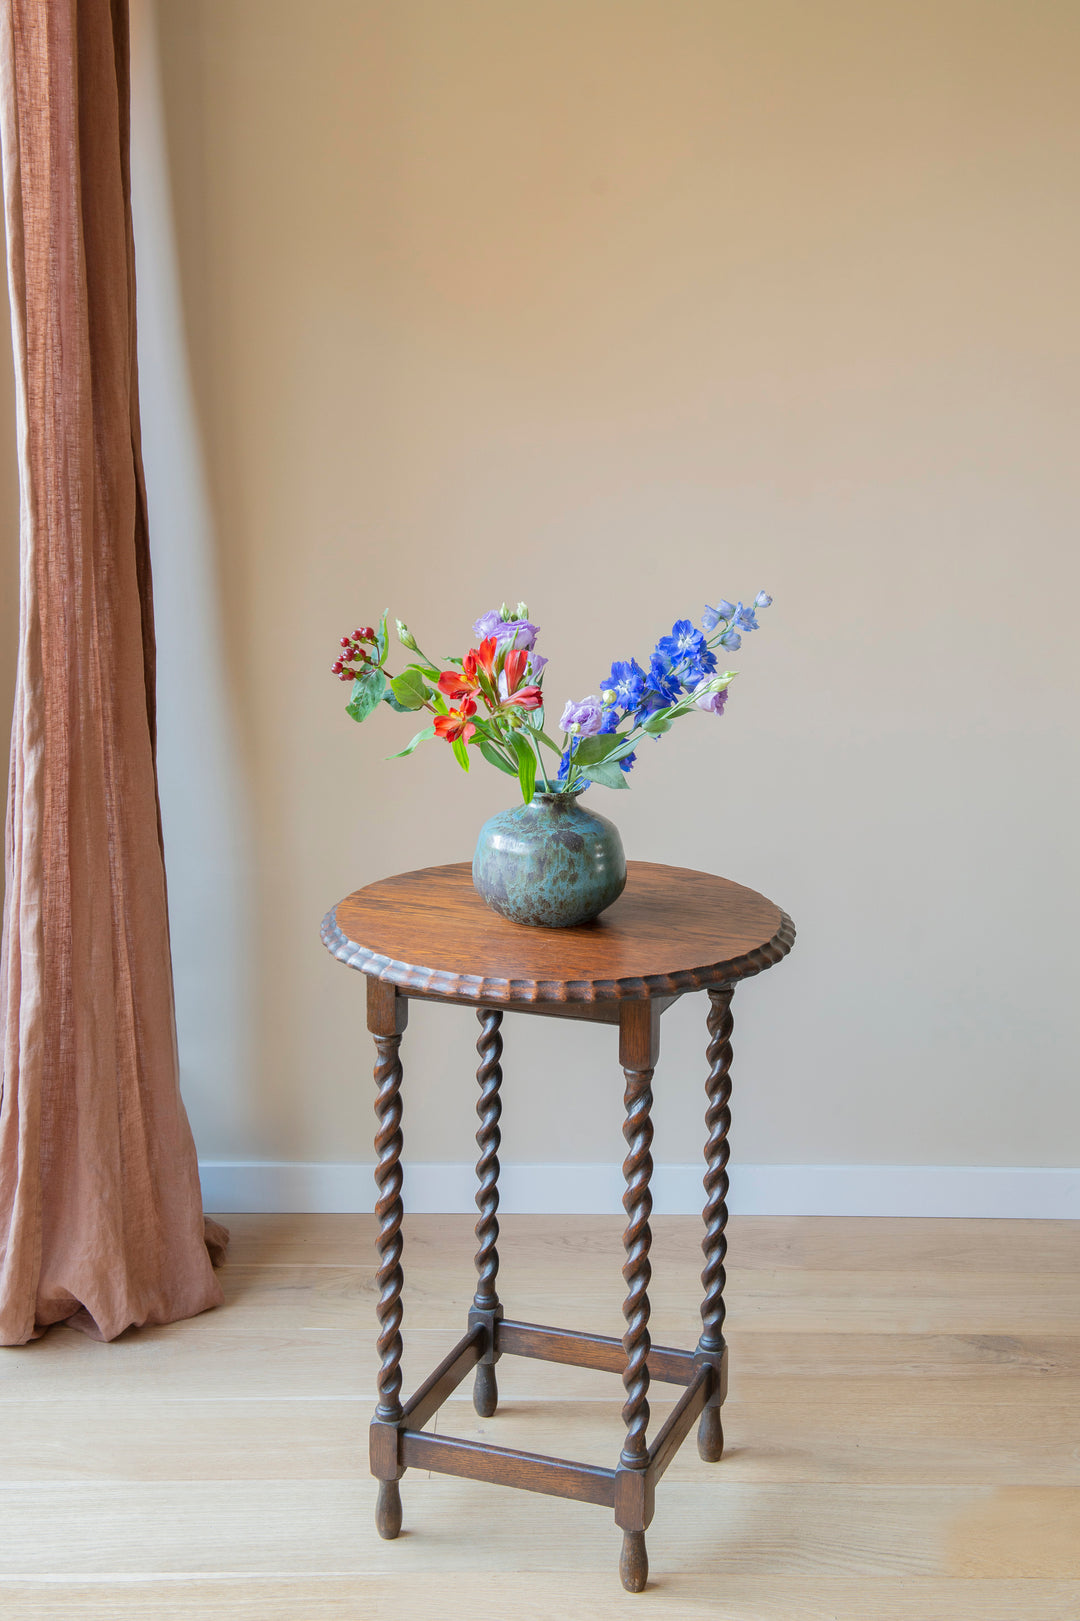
<point x="549" y="864"/>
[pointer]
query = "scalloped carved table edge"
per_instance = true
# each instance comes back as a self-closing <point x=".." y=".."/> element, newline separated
<point x="672" y="930"/>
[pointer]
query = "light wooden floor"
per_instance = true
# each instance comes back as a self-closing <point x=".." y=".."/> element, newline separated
<point x="903" y="1431"/>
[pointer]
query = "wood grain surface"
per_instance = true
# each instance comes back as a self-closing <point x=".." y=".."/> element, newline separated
<point x="901" y="1435"/>
<point x="671" y="930"/>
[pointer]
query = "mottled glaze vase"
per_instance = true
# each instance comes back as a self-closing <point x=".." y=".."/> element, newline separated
<point x="549" y="864"/>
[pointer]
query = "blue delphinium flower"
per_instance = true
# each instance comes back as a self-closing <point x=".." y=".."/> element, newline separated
<point x="685" y="639"/>
<point x="611" y="720"/>
<point x="713" y="616"/>
<point x="689" y="653"/>
<point x="744" y="618"/>
<point x="731" y="640"/>
<point x="627" y="682"/>
<point x="662" y="683"/>
<point x="762" y="600"/>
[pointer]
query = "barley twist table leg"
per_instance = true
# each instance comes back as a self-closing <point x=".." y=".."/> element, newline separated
<point x="714" y="1244"/>
<point x="637" y="1202"/>
<point x="486" y="1300"/>
<point x="389" y="1277"/>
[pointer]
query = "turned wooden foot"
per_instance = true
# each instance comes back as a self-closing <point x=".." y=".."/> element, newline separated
<point x="485" y="1394"/>
<point x="388" y="1510"/>
<point x="634" y="1562"/>
<point x="710" y="1436"/>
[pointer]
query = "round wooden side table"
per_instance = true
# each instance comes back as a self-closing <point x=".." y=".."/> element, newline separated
<point x="428" y="935"/>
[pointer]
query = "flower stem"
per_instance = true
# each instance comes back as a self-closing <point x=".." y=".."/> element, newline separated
<point x="540" y="759"/>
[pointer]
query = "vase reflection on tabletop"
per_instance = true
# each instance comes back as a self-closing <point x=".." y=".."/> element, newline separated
<point x="549" y="862"/>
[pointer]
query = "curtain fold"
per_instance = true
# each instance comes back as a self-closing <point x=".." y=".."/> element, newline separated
<point x="101" y="1219"/>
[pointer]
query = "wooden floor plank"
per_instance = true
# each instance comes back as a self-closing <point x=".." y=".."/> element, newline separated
<point x="324" y="1528"/>
<point x="784" y="1301"/>
<point x="881" y="1430"/>
<point x="901" y="1434"/>
<point x="583" y="1597"/>
<point x="840" y="1243"/>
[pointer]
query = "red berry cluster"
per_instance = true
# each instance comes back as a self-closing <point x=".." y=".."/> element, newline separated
<point x="353" y="655"/>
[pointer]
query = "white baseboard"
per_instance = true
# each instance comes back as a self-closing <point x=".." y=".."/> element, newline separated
<point x="1033" y="1192"/>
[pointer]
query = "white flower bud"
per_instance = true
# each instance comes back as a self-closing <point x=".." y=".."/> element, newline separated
<point x="405" y="637"/>
<point x="608" y="697"/>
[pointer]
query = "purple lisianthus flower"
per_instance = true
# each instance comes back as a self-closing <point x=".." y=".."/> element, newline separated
<point x="627" y="682"/>
<point x="507" y="632"/>
<point x="587" y="716"/>
<point x="713" y="616"/>
<point x="712" y="701"/>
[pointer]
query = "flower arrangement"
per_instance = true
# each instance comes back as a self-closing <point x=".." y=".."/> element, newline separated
<point x="492" y="699"/>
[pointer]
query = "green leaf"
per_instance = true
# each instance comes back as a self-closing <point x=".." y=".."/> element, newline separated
<point x="493" y="757"/>
<point x="367" y="691"/>
<point x="607" y="774"/>
<point x="660" y="722"/>
<point x="382" y="641"/>
<point x="421" y="737"/>
<point x="542" y="735"/>
<point x="604" y="746"/>
<point x="402" y="709"/>
<point x="526" y="766"/>
<point x="410" y="689"/>
<point x="591" y="749"/>
<point x="461" y="753"/>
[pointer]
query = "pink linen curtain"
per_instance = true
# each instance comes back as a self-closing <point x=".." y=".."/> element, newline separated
<point x="101" y="1220"/>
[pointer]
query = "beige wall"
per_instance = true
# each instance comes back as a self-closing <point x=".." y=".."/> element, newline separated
<point x="619" y="305"/>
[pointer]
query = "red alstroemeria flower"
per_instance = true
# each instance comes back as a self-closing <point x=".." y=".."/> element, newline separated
<point x="457" y="723"/>
<point x="527" y="698"/>
<point x="465" y="682"/>
<point x="514" y="667"/>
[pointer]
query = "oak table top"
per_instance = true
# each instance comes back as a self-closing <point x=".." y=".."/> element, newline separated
<point x="672" y="930"/>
